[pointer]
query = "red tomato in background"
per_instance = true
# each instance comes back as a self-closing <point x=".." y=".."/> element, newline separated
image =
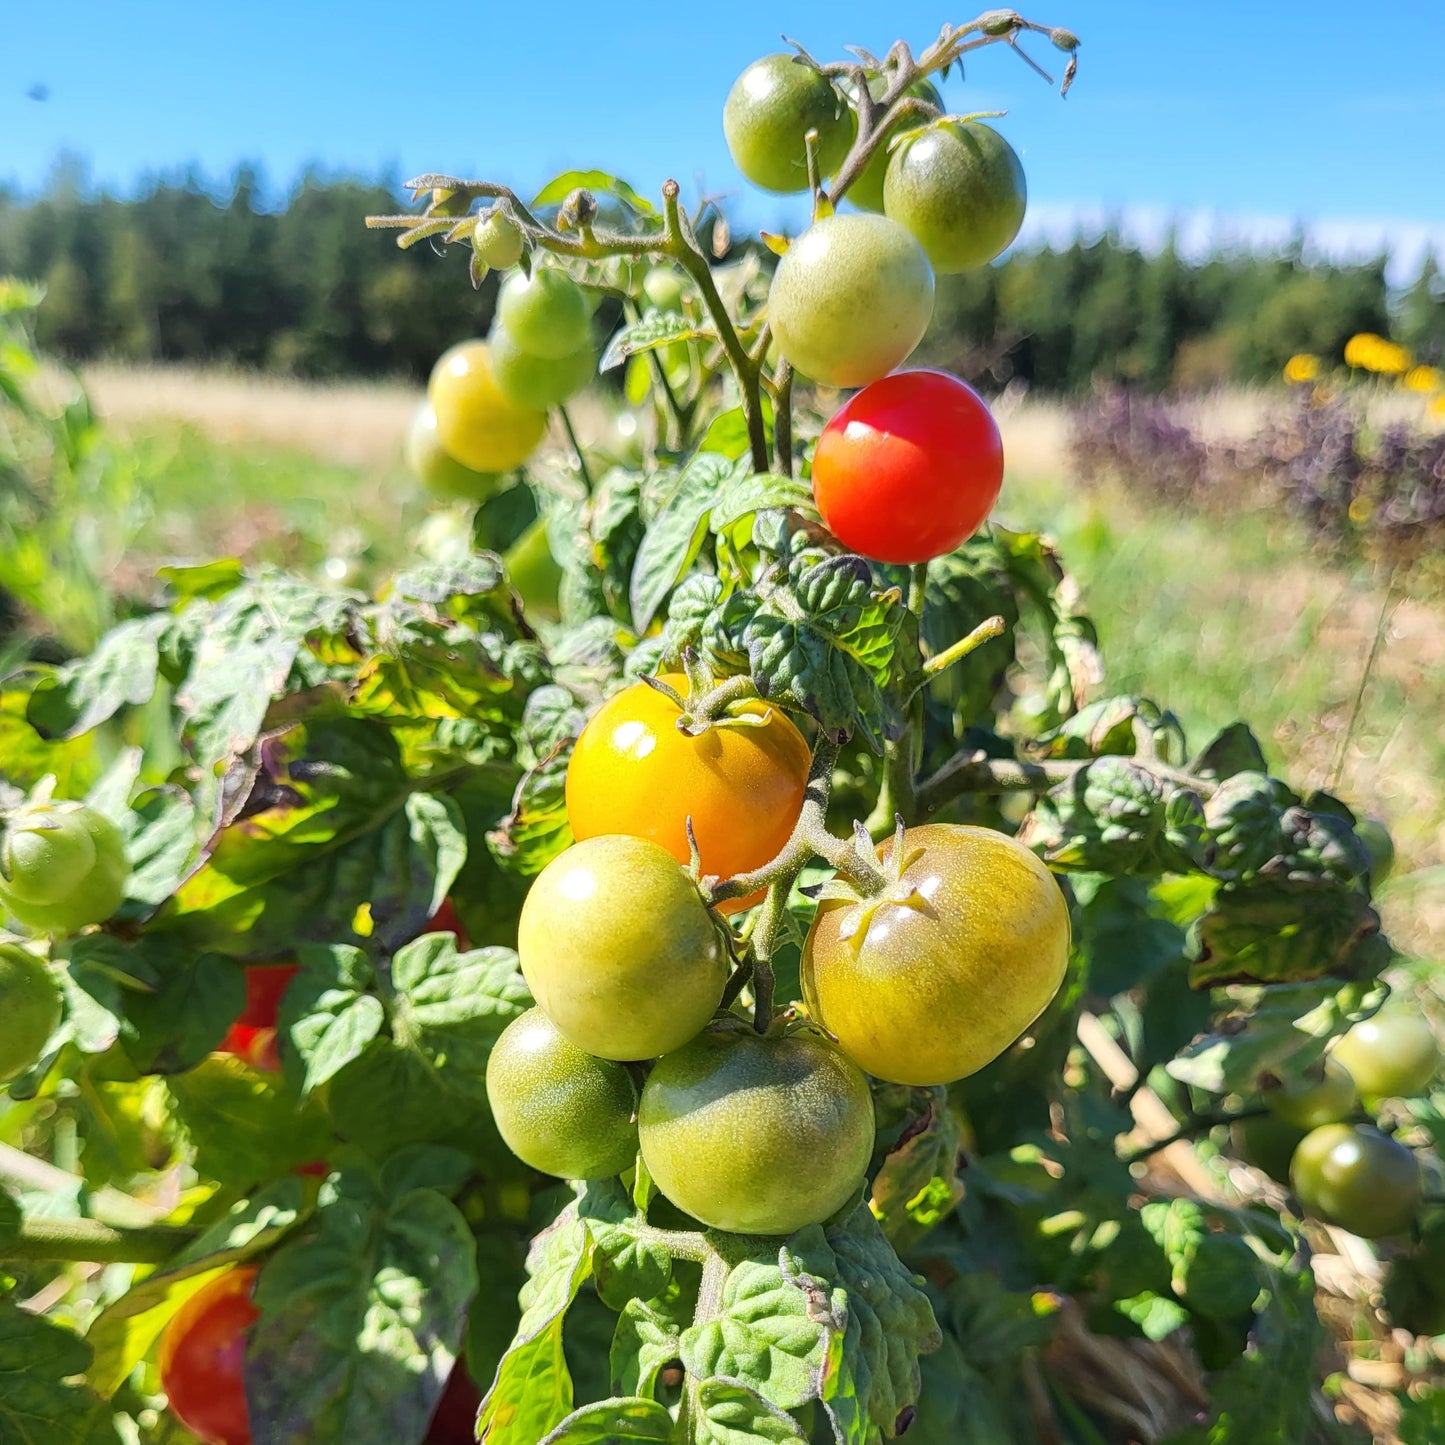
<point x="202" y="1354"/>
<point x="455" y="1421"/>
<point x="445" y="920"/>
<point x="253" y="1036"/>
<point x="909" y="468"/>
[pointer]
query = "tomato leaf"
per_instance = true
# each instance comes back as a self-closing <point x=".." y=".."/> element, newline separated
<point x="427" y="1082"/>
<point x="560" y="187"/>
<point x="326" y="1013"/>
<point x="121" y="672"/>
<point x="735" y="1414"/>
<point x="361" y="1315"/>
<point x="536" y="830"/>
<point x="532" y="1392"/>
<point x="675" y="535"/>
<point x="39" y="1362"/>
<point x="655" y="329"/>
<point x="631" y="1421"/>
<point x="246" y="1125"/>
<point x="648" y="1337"/>
<point x="1284" y="1031"/>
<point x="628" y="1265"/>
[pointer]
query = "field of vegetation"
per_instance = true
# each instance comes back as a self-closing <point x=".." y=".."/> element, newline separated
<point x="1225" y="616"/>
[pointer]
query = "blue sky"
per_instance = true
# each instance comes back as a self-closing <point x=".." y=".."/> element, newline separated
<point x="1239" y="119"/>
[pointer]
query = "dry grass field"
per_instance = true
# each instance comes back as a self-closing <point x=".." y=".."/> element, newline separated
<point x="1218" y="620"/>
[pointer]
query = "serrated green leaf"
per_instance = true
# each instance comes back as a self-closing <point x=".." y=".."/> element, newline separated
<point x="653" y="330"/>
<point x="628" y="1264"/>
<point x="244" y="1125"/>
<point x="532" y="1392"/>
<point x="759" y="492"/>
<point x="361" y="1317"/>
<point x="1284" y="1032"/>
<point x="631" y="1421"/>
<point x="560" y="187"/>
<point x="536" y="830"/>
<point x="648" y="1337"/>
<point x="676" y="532"/>
<point x="39" y="1403"/>
<point x="734" y="1414"/>
<point x="121" y="672"/>
<point x="326" y="1013"/>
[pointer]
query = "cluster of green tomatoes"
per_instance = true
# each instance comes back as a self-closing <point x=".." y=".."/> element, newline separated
<point x="1343" y="1168"/>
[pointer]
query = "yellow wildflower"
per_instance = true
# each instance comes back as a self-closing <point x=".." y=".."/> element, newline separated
<point x="1302" y="367"/>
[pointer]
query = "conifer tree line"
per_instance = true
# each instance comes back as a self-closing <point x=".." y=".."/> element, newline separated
<point x="180" y="274"/>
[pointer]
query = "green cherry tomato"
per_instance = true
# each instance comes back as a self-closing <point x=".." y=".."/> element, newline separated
<point x="534" y="571"/>
<point x="1356" y="1177"/>
<point x="663" y="288"/>
<point x="771" y="108"/>
<point x="618" y="947"/>
<point x="29" y="1009"/>
<point x="45" y="854"/>
<point x="850" y="299"/>
<point x="539" y="381"/>
<point x="435" y="467"/>
<point x="546" y="313"/>
<point x="1267" y="1142"/>
<point x="560" y="1109"/>
<point x="756" y="1135"/>
<point x="1325" y="1098"/>
<point x="937" y="975"/>
<point x="959" y="188"/>
<point x="90" y="896"/>
<point x="1393" y="1055"/>
<point x="867" y="191"/>
<point x="497" y="240"/>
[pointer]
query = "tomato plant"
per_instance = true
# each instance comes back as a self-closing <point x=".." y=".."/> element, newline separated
<point x="906" y="1007"/>
<point x="908" y="468"/>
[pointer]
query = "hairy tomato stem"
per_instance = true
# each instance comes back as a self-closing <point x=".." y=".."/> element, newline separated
<point x="91" y="1241"/>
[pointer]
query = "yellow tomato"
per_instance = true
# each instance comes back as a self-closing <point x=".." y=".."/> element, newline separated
<point x="475" y="422"/>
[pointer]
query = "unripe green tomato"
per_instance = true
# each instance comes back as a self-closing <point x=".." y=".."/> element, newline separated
<point x="769" y="111"/>
<point x="539" y="381"/>
<point x="1267" y="1142"/>
<point x="1325" y="1098"/>
<point x="29" y="1009"/>
<point x="851" y="299"/>
<point x="947" y="967"/>
<point x="44" y="854"/>
<point x="663" y="288"/>
<point x="618" y="947"/>
<point x="534" y="571"/>
<point x="756" y="1135"/>
<point x="497" y="240"/>
<point x="560" y="1109"/>
<point x="95" y="894"/>
<point x="960" y="189"/>
<point x="1379" y="847"/>
<point x="475" y="423"/>
<point x="545" y="313"/>
<point x="436" y="468"/>
<point x="1356" y="1177"/>
<point x="867" y="191"/>
<point x="1393" y="1055"/>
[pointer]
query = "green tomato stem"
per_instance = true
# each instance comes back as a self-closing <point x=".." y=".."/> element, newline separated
<point x="577" y="451"/>
<point x="91" y="1241"/>
<point x="1192" y="1129"/>
<point x="957" y="651"/>
<point x="783" y="417"/>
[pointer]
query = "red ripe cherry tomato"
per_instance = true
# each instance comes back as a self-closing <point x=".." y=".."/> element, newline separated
<point x="445" y="920"/>
<point x="908" y="468"/>
<point x="202" y="1354"/>
<point x="253" y="1036"/>
<point x="455" y="1421"/>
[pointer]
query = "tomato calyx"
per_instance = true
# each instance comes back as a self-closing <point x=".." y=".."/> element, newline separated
<point x="880" y="886"/>
<point x="711" y="704"/>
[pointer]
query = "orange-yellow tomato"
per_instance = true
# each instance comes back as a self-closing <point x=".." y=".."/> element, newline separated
<point x="741" y="782"/>
<point x="476" y="424"/>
